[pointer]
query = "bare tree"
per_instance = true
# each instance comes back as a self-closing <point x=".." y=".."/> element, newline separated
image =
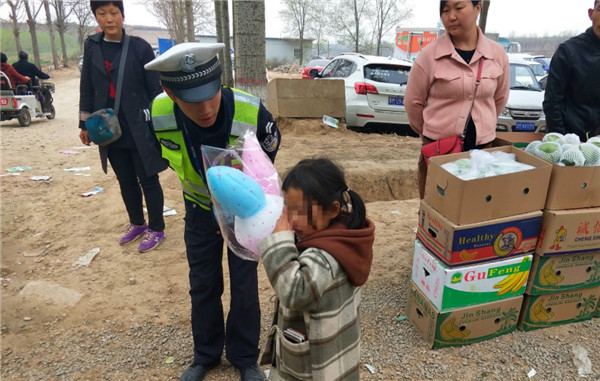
<point x="15" y="17"/>
<point x="189" y="20"/>
<point x="62" y="11"/>
<point x="83" y="17"/>
<point x="484" y="14"/>
<point x="298" y="14"/>
<point x="51" y="33"/>
<point x="249" y="46"/>
<point x="349" y="14"/>
<point x="223" y="35"/>
<point x="388" y="14"/>
<point x="319" y="29"/>
<point x="172" y="14"/>
<point x="32" y="14"/>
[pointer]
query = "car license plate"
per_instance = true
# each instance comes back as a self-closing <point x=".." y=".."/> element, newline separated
<point x="398" y="101"/>
<point x="525" y="126"/>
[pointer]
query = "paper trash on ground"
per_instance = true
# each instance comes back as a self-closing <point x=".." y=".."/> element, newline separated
<point x="86" y="259"/>
<point x="330" y="121"/>
<point x="371" y="368"/>
<point x="77" y="169"/>
<point x="93" y="192"/>
<point x="40" y="178"/>
<point x="19" y="168"/>
<point x="69" y="152"/>
<point x="167" y="211"/>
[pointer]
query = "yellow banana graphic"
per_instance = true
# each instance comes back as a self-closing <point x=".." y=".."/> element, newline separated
<point x="538" y="313"/>
<point x="548" y="275"/>
<point x="508" y="283"/>
<point x="449" y="330"/>
<point x="517" y="286"/>
<point x="466" y="256"/>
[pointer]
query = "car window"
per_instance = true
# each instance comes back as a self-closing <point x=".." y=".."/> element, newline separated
<point x="522" y="77"/>
<point x="328" y="70"/>
<point x="344" y="69"/>
<point x="387" y="73"/>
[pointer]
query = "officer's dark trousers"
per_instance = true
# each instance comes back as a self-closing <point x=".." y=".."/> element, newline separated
<point x="240" y="336"/>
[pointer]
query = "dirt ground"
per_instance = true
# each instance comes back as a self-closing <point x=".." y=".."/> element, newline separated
<point x="126" y="315"/>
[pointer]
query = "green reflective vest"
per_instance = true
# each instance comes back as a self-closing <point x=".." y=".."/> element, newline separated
<point x="173" y="146"/>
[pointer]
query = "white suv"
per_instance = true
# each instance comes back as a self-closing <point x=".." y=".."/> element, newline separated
<point x="523" y="111"/>
<point x="375" y="89"/>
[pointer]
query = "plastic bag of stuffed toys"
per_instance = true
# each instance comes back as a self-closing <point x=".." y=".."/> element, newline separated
<point x="566" y="150"/>
<point x="246" y="193"/>
<point x="482" y="164"/>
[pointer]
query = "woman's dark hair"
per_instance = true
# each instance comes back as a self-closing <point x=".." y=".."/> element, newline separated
<point x="97" y="4"/>
<point x="323" y="181"/>
<point x="443" y="4"/>
<point x="3" y="58"/>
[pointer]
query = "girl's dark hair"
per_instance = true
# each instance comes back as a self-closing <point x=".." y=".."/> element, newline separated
<point x="443" y="4"/>
<point x="97" y="4"/>
<point x="323" y="181"/>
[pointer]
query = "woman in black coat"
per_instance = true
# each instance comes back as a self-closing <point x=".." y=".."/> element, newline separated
<point x="135" y="157"/>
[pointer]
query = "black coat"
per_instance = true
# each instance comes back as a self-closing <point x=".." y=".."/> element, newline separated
<point x="138" y="90"/>
<point x="572" y="98"/>
<point x="28" y="69"/>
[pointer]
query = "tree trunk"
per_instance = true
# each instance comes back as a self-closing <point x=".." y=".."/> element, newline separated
<point x="249" y="46"/>
<point x="14" y="7"/>
<point x="33" y="32"/>
<point x="61" y="27"/>
<point x="189" y="21"/>
<point x="51" y="34"/>
<point x="223" y="35"/>
<point x="484" y="13"/>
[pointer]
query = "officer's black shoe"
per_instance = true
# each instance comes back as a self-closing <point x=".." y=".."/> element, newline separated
<point x="196" y="372"/>
<point x="252" y="373"/>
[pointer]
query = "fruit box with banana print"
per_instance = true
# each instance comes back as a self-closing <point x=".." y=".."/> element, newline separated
<point x="461" y="326"/>
<point x="455" y="287"/>
<point x="457" y="245"/>
<point x="541" y="311"/>
<point x="569" y="231"/>
<point x="560" y="273"/>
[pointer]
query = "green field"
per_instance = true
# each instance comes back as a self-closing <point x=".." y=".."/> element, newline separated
<point x="8" y="43"/>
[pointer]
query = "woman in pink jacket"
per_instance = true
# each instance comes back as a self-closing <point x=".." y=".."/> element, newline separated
<point x="441" y="84"/>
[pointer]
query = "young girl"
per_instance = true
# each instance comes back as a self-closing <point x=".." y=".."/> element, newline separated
<point x="317" y="275"/>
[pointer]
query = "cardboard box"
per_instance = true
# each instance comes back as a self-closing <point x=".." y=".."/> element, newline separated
<point x="569" y="231"/>
<point x="301" y="98"/>
<point x="597" y="310"/>
<point x="465" y="202"/>
<point x="458" y="245"/>
<point x="560" y="273"/>
<point x="461" y="326"/>
<point x="517" y="139"/>
<point x="573" y="187"/>
<point x="541" y="311"/>
<point x="449" y="288"/>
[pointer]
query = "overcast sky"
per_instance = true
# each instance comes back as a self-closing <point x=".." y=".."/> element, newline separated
<point x="507" y="17"/>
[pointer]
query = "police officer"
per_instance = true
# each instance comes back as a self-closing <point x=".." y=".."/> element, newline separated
<point x="196" y="110"/>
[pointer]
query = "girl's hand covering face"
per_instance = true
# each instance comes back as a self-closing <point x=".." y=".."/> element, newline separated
<point x="283" y="223"/>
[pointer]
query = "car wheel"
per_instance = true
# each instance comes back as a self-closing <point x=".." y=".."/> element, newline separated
<point x="24" y="117"/>
<point x="52" y="113"/>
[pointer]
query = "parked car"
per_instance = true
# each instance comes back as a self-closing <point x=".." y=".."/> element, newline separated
<point x="314" y="65"/>
<point x="523" y="111"/>
<point x="543" y="81"/>
<point x="544" y="61"/>
<point x="375" y="88"/>
<point x="537" y="67"/>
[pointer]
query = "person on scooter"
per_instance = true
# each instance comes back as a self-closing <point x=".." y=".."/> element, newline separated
<point x="13" y="76"/>
<point x="28" y="69"/>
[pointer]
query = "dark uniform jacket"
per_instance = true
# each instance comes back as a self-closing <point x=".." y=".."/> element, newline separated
<point x="138" y="90"/>
<point x="572" y="100"/>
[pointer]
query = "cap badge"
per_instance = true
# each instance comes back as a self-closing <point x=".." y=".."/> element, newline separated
<point x="188" y="63"/>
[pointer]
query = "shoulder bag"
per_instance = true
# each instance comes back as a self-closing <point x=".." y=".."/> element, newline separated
<point x="452" y="144"/>
<point x="103" y="125"/>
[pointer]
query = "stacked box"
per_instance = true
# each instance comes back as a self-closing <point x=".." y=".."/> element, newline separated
<point x="474" y="251"/>
<point x="564" y="283"/>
